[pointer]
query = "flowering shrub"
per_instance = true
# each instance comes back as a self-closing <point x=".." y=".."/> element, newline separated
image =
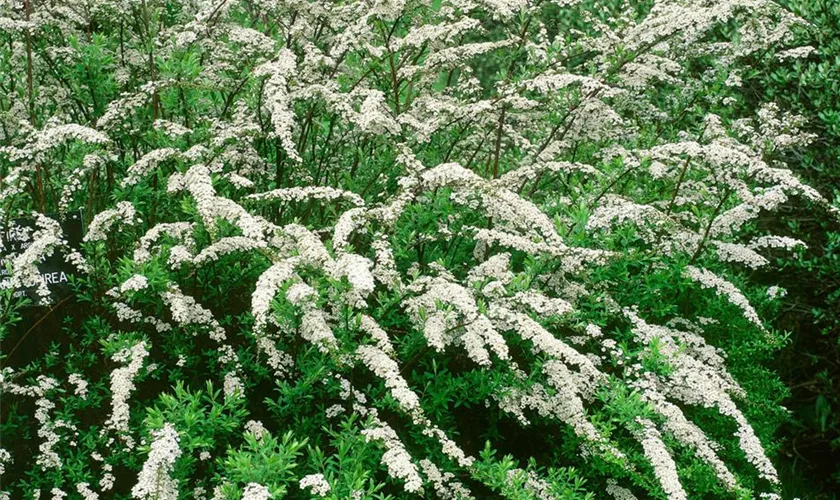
<point x="388" y="249"/>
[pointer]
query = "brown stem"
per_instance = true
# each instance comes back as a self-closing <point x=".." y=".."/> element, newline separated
<point x="456" y="141"/>
<point x="152" y="76"/>
<point x="394" y="81"/>
<point x="304" y="131"/>
<point x="709" y="226"/>
<point x="603" y="193"/>
<point x="498" y="148"/>
<point x="122" y="45"/>
<point x="568" y="126"/>
<point x="35" y="325"/>
<point x="677" y="187"/>
<point x="71" y="91"/>
<point x="280" y="165"/>
<point x="232" y="95"/>
<point x="475" y="153"/>
<point x="30" y="95"/>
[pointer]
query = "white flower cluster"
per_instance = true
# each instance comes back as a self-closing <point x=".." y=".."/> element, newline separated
<point x="122" y="384"/>
<point x="698" y="378"/>
<point x="47" y="458"/>
<point x="186" y="311"/>
<point x="685" y="431"/>
<point x="396" y="458"/>
<point x="179" y="230"/>
<point x="278" y="100"/>
<point x="545" y="155"/>
<point x="440" y="326"/>
<point x="147" y="164"/>
<point x="255" y="491"/>
<point x="347" y="223"/>
<point x="172" y="129"/>
<point x="663" y="465"/>
<point x="232" y="386"/>
<point x="135" y="283"/>
<point x="796" y="53"/>
<point x="388" y="370"/>
<point x="707" y="279"/>
<point x="315" y="329"/>
<point x="380" y="336"/>
<point x="319" y="486"/>
<point x="5" y="459"/>
<point x="742" y="254"/>
<point x="771" y="241"/>
<point x="256" y="428"/>
<point x="199" y="183"/>
<point x="105" y="220"/>
<point x="357" y="270"/>
<point x="619" y="493"/>
<point x="374" y="117"/>
<point x="74" y="181"/>
<point x="444" y="482"/>
<point x="155" y="481"/>
<point x="80" y="383"/>
<point x="616" y="210"/>
<point x="52" y="136"/>
<point x="308" y="193"/>
<point x="226" y="246"/>
<point x="86" y="492"/>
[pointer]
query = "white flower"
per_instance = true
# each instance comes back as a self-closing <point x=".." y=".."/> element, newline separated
<point x="388" y="370"/>
<point x="663" y="465"/>
<point x="268" y="284"/>
<point x="135" y="283"/>
<point x="122" y="384"/>
<point x="256" y="428"/>
<point x="707" y="279"/>
<point x="796" y="53"/>
<point x="105" y="220"/>
<point x="396" y="458"/>
<point x="154" y="481"/>
<point x="5" y="458"/>
<point x="80" y="383"/>
<point x="233" y="386"/>
<point x="255" y="491"/>
<point x="86" y="492"/>
<point x="225" y="246"/>
<point x="147" y="163"/>
<point x="619" y="493"/>
<point x="308" y="193"/>
<point x="277" y="98"/>
<point x="357" y="271"/>
<point x="317" y="483"/>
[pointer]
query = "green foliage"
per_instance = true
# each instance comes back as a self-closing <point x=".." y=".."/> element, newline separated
<point x="265" y="460"/>
<point x="158" y="74"/>
<point x="809" y="365"/>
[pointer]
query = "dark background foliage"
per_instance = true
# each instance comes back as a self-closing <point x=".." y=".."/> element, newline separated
<point x="810" y="365"/>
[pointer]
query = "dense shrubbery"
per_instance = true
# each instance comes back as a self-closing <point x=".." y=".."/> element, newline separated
<point x="810" y="364"/>
<point x="514" y="249"/>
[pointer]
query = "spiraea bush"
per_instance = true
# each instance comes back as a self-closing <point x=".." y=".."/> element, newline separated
<point x="395" y="249"/>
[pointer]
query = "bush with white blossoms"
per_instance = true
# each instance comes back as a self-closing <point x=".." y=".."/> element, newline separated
<point x="380" y="249"/>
